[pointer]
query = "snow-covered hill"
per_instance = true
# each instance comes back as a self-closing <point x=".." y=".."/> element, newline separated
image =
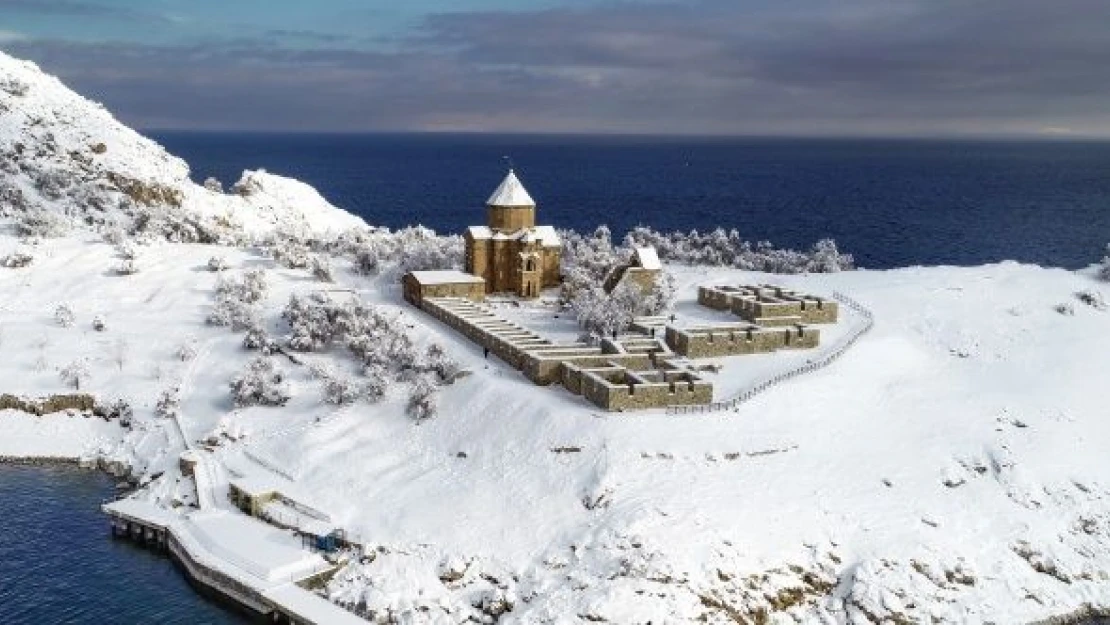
<point x="64" y="160"/>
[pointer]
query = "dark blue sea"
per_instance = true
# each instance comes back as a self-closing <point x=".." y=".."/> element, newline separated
<point x="891" y="203"/>
<point x="59" y="564"/>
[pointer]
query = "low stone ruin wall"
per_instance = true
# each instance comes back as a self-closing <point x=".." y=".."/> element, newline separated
<point x="769" y="305"/>
<point x="619" y="389"/>
<point x="576" y="365"/>
<point x="736" y="340"/>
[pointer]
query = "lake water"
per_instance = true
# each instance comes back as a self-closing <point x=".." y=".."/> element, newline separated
<point x="891" y="203"/>
<point x="59" y="564"/>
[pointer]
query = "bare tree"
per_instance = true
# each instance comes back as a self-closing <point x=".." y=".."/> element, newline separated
<point x="74" y="373"/>
<point x="119" y="352"/>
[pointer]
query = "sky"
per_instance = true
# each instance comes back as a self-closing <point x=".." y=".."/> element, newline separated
<point x="704" y="67"/>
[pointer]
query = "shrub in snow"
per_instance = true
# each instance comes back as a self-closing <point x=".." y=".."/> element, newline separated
<point x="114" y="236"/>
<point x="1093" y="299"/>
<point x="290" y="253"/>
<point x="1104" y="266"/>
<point x="186" y="351"/>
<point x="236" y="299"/>
<point x="159" y="221"/>
<point x="256" y="338"/>
<point x="74" y="374"/>
<point x="234" y="314"/>
<point x="423" y="400"/>
<point x="260" y="384"/>
<point x="16" y="260"/>
<point x="39" y="223"/>
<point x="126" y="268"/>
<point x="340" y="389"/>
<point x="217" y="263"/>
<point x="53" y="184"/>
<point x="445" y="367"/>
<point x="98" y="324"/>
<point x="169" y="403"/>
<point x="321" y="268"/>
<point x="249" y="287"/>
<point x="126" y="250"/>
<point x="409" y="249"/>
<point x="14" y="86"/>
<point x="377" y="382"/>
<point x="1064" y="309"/>
<point x="63" y="316"/>
<point x="213" y="185"/>
<point x="116" y="409"/>
<point x="314" y="321"/>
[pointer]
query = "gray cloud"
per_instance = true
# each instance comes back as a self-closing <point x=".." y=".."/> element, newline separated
<point x="705" y="66"/>
<point x="77" y="8"/>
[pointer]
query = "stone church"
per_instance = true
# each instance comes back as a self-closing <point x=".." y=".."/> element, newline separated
<point x="511" y="252"/>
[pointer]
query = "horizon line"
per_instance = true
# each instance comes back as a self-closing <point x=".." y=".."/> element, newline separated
<point x="982" y="137"/>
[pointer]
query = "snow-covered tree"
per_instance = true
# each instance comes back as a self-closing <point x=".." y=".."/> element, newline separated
<point x="321" y="268"/>
<point x="16" y="260"/>
<point x="437" y="360"/>
<point x="377" y="381"/>
<point x="233" y="313"/>
<point x="120" y="350"/>
<point x="40" y="223"/>
<point x="1104" y="266"/>
<point x="186" y="351"/>
<point x="75" y="373"/>
<point x="217" y="263"/>
<point x="236" y="299"/>
<point x="339" y="388"/>
<point x="63" y="316"/>
<point x="126" y="268"/>
<point x="169" y="403"/>
<point x="249" y="287"/>
<point x="213" y="185"/>
<point x="423" y="401"/>
<point x="261" y="383"/>
<point x="727" y="248"/>
<point x="257" y="338"/>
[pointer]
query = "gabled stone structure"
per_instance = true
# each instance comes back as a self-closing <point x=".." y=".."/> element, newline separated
<point x="642" y="271"/>
<point x="511" y="252"/>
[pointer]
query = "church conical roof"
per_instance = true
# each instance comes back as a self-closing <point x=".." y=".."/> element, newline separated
<point x="510" y="193"/>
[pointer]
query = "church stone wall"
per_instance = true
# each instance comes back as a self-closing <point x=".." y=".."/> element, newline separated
<point x="510" y="219"/>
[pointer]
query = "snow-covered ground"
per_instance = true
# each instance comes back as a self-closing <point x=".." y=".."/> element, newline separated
<point x="951" y="467"/>
<point x="57" y="436"/>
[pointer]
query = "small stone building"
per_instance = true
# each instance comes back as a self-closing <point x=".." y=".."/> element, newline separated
<point x="511" y="253"/>
<point x="418" y="285"/>
<point x="642" y="270"/>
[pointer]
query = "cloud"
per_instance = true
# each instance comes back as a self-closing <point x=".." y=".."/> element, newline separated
<point x="77" y="8"/>
<point x="310" y="36"/>
<point x="701" y="66"/>
<point x="11" y="36"/>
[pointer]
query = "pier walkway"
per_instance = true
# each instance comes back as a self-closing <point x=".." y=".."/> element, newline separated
<point x="252" y="563"/>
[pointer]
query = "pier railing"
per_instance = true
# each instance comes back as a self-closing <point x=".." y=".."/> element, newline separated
<point x="761" y="385"/>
